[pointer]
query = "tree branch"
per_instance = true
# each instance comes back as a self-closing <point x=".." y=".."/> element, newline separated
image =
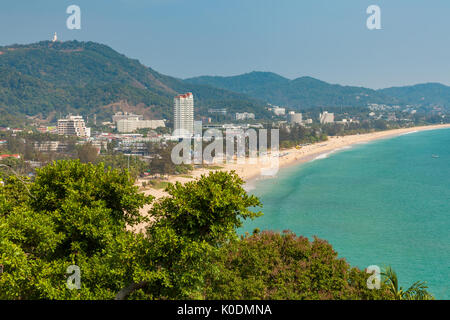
<point x="125" y="292"/>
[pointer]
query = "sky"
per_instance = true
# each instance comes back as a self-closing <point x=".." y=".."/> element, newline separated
<point x="325" y="39"/>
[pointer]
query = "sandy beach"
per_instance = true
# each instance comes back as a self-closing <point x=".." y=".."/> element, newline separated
<point x="288" y="157"/>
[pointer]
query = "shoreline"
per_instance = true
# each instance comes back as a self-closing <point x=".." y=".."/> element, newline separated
<point x="290" y="157"/>
<point x="250" y="172"/>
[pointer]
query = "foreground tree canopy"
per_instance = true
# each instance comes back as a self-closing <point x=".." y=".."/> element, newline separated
<point x="82" y="214"/>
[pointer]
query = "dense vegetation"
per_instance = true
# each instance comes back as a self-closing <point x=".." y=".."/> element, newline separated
<point x="83" y="215"/>
<point x="306" y="92"/>
<point x="73" y="76"/>
<point x="301" y="93"/>
<point x="421" y="94"/>
<point x="47" y="79"/>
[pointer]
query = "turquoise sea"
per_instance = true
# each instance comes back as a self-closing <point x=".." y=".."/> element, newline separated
<point x="382" y="203"/>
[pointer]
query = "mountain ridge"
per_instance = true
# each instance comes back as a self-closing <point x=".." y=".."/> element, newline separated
<point x="44" y="78"/>
<point x="297" y="93"/>
<point x="75" y="76"/>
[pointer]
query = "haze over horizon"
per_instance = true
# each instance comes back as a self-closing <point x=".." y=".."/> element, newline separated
<point x="321" y="39"/>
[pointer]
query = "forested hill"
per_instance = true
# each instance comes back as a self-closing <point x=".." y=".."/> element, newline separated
<point x="424" y="94"/>
<point x="300" y="93"/>
<point x="60" y="77"/>
<point x="307" y="92"/>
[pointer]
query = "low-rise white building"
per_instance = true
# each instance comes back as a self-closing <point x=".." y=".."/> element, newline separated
<point x="126" y="116"/>
<point x="326" y="117"/>
<point x="295" y="118"/>
<point x="278" y="111"/>
<point x="245" y="116"/>
<point x="131" y="125"/>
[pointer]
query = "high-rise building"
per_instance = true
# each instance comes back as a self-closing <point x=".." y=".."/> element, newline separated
<point x="184" y="115"/>
<point x="73" y="126"/>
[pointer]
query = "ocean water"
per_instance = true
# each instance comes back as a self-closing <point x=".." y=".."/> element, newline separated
<point x="382" y="203"/>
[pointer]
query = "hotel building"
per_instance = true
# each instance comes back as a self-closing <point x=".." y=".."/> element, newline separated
<point x="184" y="115"/>
<point x="73" y="126"/>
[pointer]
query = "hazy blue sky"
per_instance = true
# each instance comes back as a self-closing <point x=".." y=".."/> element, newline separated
<point x="326" y="39"/>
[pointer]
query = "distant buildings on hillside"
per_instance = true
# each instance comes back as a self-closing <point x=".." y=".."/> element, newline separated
<point x="245" y="116"/>
<point x="278" y="111"/>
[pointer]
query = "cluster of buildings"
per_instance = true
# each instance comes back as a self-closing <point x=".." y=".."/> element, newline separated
<point x="292" y="116"/>
<point x="124" y="122"/>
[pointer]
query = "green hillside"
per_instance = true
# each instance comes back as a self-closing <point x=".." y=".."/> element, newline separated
<point x="83" y="77"/>
<point x="421" y="94"/>
<point x="300" y="93"/>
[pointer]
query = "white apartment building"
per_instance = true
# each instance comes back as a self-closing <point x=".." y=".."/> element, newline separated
<point x="295" y="118"/>
<point x="245" y="116"/>
<point x="133" y="124"/>
<point x="184" y="115"/>
<point x="278" y="111"/>
<point x="326" y="117"/>
<point x="126" y="116"/>
<point x="51" y="146"/>
<point x="73" y="126"/>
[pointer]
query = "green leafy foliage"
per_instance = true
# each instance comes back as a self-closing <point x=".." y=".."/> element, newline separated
<point x="75" y="214"/>
<point x="417" y="291"/>
<point x="83" y="214"/>
<point x="271" y="265"/>
<point x="209" y="209"/>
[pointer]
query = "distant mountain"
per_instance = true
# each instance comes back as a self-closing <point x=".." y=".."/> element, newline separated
<point x="300" y="93"/>
<point x="46" y="79"/>
<point x="86" y="77"/>
<point x="421" y="94"/>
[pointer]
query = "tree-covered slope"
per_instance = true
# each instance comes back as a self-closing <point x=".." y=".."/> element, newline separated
<point x="84" y="76"/>
<point x="421" y="94"/>
<point x="300" y="93"/>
